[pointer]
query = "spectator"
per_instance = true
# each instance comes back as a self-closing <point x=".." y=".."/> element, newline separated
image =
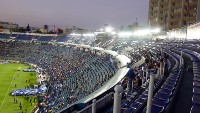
<point x="137" y="83"/>
<point x="130" y="75"/>
<point x="69" y="69"/>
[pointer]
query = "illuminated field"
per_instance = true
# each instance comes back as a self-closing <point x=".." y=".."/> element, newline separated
<point x="9" y="76"/>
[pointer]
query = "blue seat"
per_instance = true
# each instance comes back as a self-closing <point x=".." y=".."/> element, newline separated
<point x="159" y="102"/>
<point x="45" y="39"/>
<point x="135" y="105"/>
<point x="172" y="78"/>
<point x="129" y="110"/>
<point x="196" y="99"/>
<point x="109" y="110"/>
<point x="62" y="39"/>
<point x="4" y="36"/>
<point x="166" y="86"/>
<point x="126" y="102"/>
<point x="154" y="109"/>
<point x="24" y="37"/>
<point x="165" y="91"/>
<point x="170" y="82"/>
<point x="140" y="100"/>
<point x="197" y="73"/>
<point x="195" y="108"/>
<point x="196" y="78"/>
<point x="162" y="96"/>
<point x="196" y="90"/>
<point x="143" y="96"/>
<point x="196" y="84"/>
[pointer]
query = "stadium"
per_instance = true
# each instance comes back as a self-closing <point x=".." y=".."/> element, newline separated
<point x="67" y="74"/>
<point x="135" y="69"/>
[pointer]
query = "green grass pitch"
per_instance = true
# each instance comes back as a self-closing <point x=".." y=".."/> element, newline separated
<point x="8" y="78"/>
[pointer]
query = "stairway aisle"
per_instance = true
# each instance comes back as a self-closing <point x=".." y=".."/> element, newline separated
<point x="184" y="98"/>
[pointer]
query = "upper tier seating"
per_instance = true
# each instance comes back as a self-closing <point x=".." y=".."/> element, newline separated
<point x="62" y="38"/>
<point x="24" y="37"/>
<point x="45" y="38"/>
<point x="4" y="36"/>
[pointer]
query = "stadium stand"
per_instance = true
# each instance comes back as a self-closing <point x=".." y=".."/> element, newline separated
<point x="80" y="74"/>
<point x="53" y="68"/>
<point x="24" y="38"/>
<point x="62" y="38"/>
<point x="4" y="36"/>
<point x="44" y="38"/>
<point x="36" y="37"/>
<point x="84" y="40"/>
<point x="77" y="72"/>
<point x="14" y="35"/>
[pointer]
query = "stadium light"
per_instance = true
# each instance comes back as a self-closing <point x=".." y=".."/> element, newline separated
<point x="108" y="29"/>
<point x="146" y="32"/>
<point x="101" y="30"/>
<point x="96" y="33"/>
<point x="142" y="32"/>
<point x="125" y="34"/>
<point x="113" y="33"/>
<point x="156" y="30"/>
<point x="162" y="37"/>
<point x="74" y="34"/>
<point x="89" y="34"/>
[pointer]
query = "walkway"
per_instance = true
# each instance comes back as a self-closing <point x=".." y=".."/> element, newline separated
<point x="184" y="98"/>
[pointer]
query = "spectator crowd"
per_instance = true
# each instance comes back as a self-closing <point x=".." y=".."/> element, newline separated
<point x="73" y="73"/>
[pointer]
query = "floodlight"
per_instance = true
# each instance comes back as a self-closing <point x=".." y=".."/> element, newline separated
<point x="74" y="34"/>
<point x="113" y="33"/>
<point x="125" y="34"/>
<point x="156" y="30"/>
<point x="142" y="32"/>
<point x="96" y="33"/>
<point x="108" y="29"/>
<point x="88" y="34"/>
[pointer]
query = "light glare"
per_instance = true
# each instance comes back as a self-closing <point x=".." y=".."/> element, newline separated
<point x="113" y="33"/>
<point x="125" y="34"/>
<point x="108" y="29"/>
<point x="89" y="34"/>
<point x="74" y="34"/>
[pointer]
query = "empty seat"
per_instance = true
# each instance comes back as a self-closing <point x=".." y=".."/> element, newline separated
<point x="162" y="96"/>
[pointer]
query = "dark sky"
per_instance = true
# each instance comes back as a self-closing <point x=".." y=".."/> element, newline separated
<point x="88" y="14"/>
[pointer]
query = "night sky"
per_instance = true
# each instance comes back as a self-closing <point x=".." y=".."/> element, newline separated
<point x="89" y="14"/>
